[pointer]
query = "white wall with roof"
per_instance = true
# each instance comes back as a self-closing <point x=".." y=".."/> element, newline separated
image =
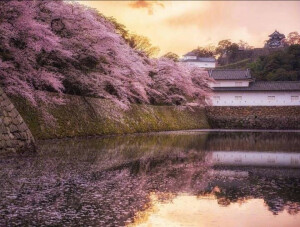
<point x="230" y="83"/>
<point x="255" y="98"/>
<point x="202" y="64"/>
<point x="236" y="87"/>
<point x="188" y="57"/>
<point x="252" y="158"/>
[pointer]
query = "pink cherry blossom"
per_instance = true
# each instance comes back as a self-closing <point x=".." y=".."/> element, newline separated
<point x="63" y="47"/>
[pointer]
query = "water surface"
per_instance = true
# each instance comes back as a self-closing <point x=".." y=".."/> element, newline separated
<point x="189" y="178"/>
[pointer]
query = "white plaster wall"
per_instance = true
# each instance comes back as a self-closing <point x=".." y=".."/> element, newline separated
<point x="189" y="57"/>
<point x="249" y="158"/>
<point x="230" y="83"/>
<point x="203" y="64"/>
<point x="254" y="99"/>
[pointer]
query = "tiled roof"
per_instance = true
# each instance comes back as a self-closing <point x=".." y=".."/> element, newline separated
<point x="191" y="53"/>
<point x="265" y="86"/>
<point x="277" y="33"/>
<point x="200" y="60"/>
<point x="230" y="74"/>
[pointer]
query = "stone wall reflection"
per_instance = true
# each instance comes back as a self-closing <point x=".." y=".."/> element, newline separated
<point x="106" y="181"/>
<point x="253" y="158"/>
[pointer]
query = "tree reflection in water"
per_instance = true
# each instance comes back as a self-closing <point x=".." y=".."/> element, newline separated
<point x="108" y="181"/>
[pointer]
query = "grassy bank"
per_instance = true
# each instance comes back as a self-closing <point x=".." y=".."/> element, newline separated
<point x="82" y="116"/>
<point x="237" y="65"/>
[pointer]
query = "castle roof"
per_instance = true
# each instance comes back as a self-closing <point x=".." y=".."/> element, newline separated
<point x="265" y="86"/>
<point x="276" y="33"/>
<point x="199" y="59"/>
<point x="230" y="74"/>
<point x="191" y="53"/>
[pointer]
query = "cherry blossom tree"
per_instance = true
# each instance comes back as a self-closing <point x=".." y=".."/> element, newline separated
<point x="293" y="38"/>
<point x="22" y="40"/>
<point x="178" y="83"/>
<point x="56" y="46"/>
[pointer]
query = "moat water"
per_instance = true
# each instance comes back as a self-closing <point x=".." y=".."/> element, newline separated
<point x="188" y="178"/>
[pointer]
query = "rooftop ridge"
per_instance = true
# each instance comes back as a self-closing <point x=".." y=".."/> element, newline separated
<point x="229" y="69"/>
<point x="278" y="81"/>
<point x="230" y="74"/>
<point x="265" y="86"/>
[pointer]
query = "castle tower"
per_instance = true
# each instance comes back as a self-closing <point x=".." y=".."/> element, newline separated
<point x="276" y="40"/>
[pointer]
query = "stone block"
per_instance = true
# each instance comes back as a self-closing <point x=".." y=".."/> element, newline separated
<point x="14" y="113"/>
<point x="258" y="117"/>
<point x="13" y="128"/>
<point x="19" y="118"/>
<point x="16" y="121"/>
<point x="11" y="136"/>
<point x="6" y="121"/>
<point x="6" y="102"/>
<point x="3" y="129"/>
<point x="20" y="143"/>
<point x="17" y="135"/>
<point x="13" y="150"/>
<point x="4" y="113"/>
<point x="14" y="133"/>
<point x="10" y="107"/>
<point x="23" y="136"/>
<point x="22" y="127"/>
<point x="8" y="143"/>
<point x="2" y="144"/>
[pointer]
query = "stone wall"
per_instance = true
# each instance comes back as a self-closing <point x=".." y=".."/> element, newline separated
<point x="14" y="133"/>
<point x="86" y="116"/>
<point x="254" y="117"/>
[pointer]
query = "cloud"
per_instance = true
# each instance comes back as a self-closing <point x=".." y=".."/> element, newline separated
<point x="140" y="4"/>
<point x="180" y="26"/>
<point x="210" y="16"/>
<point x="238" y="20"/>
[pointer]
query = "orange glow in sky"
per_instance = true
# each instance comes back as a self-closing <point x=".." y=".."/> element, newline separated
<point x="180" y="26"/>
<point x="202" y="211"/>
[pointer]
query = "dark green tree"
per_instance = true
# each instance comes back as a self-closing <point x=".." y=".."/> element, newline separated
<point x="278" y="66"/>
<point x="204" y="52"/>
<point x="172" y="56"/>
<point x="227" y="51"/>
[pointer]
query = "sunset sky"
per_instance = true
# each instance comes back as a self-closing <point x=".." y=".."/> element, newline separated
<point x="180" y="26"/>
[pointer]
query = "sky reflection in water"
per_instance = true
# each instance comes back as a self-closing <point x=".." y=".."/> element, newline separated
<point x="188" y="210"/>
<point x="165" y="179"/>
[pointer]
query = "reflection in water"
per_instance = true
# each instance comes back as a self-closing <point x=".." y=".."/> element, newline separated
<point x="205" y="211"/>
<point x="255" y="141"/>
<point x="236" y="158"/>
<point x="116" y="181"/>
<point x="268" y="184"/>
